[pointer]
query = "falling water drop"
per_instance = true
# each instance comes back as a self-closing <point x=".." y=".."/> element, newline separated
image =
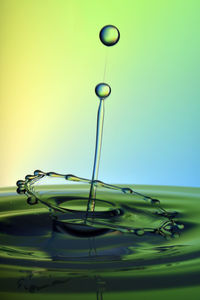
<point x="109" y="35"/>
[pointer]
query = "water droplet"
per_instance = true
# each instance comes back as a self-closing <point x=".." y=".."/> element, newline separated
<point x="180" y="226"/>
<point x="21" y="190"/>
<point x="168" y="227"/>
<point x="38" y="172"/>
<point x="109" y="35"/>
<point x="102" y="90"/>
<point x="139" y="232"/>
<point x="20" y="183"/>
<point x="32" y="200"/>
<point x="29" y="177"/>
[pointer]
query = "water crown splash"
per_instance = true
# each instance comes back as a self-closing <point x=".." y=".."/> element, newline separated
<point x="110" y="215"/>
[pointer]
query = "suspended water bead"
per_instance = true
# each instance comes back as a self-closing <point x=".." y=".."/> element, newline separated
<point x="38" y="172"/>
<point x="168" y="227"/>
<point x="32" y="200"/>
<point x="109" y="35"/>
<point x="29" y="177"/>
<point x="139" y="232"/>
<point x="20" y="183"/>
<point x="21" y="190"/>
<point x="102" y="90"/>
<point x="180" y="226"/>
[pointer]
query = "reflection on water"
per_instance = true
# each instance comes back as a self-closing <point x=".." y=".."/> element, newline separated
<point x="39" y="281"/>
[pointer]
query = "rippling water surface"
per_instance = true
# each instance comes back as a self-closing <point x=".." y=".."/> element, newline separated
<point x="45" y="253"/>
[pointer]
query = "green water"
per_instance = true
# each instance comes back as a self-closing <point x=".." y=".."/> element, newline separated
<point x="42" y="259"/>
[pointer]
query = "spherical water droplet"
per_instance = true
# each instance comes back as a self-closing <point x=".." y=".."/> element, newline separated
<point x="102" y="90"/>
<point x="38" y="172"/>
<point x="139" y="232"/>
<point x="21" y="190"/>
<point x="180" y="226"/>
<point x="168" y="227"/>
<point x="109" y="35"/>
<point x="29" y="177"/>
<point x="20" y="183"/>
<point x="32" y="200"/>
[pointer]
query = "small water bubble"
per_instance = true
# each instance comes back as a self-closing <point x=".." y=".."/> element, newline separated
<point x="139" y="232"/>
<point x="21" y="190"/>
<point x="168" y="227"/>
<point x="109" y="35"/>
<point x="32" y="200"/>
<point x="29" y="177"/>
<point x="102" y="90"/>
<point x="20" y="183"/>
<point x="38" y="172"/>
<point x="180" y="226"/>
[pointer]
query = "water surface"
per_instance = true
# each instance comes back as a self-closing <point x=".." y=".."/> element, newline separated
<point x="40" y="257"/>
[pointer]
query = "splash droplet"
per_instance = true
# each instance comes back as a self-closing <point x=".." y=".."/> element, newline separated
<point x="139" y="232"/>
<point x="29" y="177"/>
<point x="102" y="90"/>
<point x="32" y="200"/>
<point x="20" y="183"/>
<point x="180" y="226"/>
<point x="109" y="35"/>
<point x="38" y="172"/>
<point x="21" y="190"/>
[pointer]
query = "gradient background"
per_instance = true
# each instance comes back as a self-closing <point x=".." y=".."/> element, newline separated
<point x="50" y="61"/>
